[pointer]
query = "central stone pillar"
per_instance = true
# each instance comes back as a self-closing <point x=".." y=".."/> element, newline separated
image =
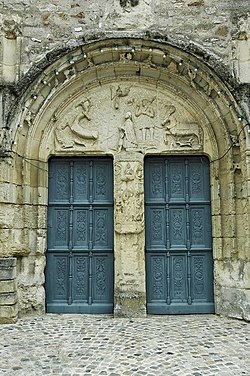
<point x="130" y="289"/>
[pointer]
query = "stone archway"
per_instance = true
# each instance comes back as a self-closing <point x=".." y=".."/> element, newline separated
<point x="129" y="99"/>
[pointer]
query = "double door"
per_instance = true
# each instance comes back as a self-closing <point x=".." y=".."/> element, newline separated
<point x="179" y="263"/>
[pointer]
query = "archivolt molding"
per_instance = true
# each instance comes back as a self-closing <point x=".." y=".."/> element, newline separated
<point x="111" y="63"/>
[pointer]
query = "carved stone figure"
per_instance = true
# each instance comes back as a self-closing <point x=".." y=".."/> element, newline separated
<point x="178" y="134"/>
<point x="185" y="136"/>
<point x="168" y="116"/>
<point x="68" y="134"/>
<point x="145" y="107"/>
<point x="192" y="75"/>
<point x="169" y="121"/>
<point x="209" y="87"/>
<point x="125" y="56"/>
<point x="69" y="73"/>
<point x="173" y="67"/>
<point x="129" y="198"/>
<point x="118" y="93"/>
<point x="11" y="27"/>
<point x="29" y="118"/>
<point x="127" y="139"/>
<point x="127" y="4"/>
<point x="85" y="106"/>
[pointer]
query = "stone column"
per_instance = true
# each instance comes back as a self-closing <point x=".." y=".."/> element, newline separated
<point x="130" y="291"/>
<point x="8" y="291"/>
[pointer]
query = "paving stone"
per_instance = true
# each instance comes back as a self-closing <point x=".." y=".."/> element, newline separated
<point x="71" y="345"/>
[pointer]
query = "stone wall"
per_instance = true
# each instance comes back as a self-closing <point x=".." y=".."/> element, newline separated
<point x="32" y="30"/>
<point x="198" y="51"/>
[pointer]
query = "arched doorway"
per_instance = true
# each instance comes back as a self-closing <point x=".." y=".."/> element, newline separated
<point x="130" y="99"/>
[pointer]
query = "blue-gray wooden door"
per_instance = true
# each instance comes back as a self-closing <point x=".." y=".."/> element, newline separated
<point x="179" y="260"/>
<point x="79" y="269"/>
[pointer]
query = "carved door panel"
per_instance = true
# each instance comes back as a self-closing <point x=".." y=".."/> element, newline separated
<point x="178" y="236"/>
<point x="79" y="271"/>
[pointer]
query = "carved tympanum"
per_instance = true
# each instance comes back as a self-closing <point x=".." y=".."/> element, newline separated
<point x="125" y="118"/>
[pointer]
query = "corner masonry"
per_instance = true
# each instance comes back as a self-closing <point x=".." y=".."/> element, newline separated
<point x="8" y="291"/>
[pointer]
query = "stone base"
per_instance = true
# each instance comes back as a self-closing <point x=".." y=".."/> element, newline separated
<point x="8" y="314"/>
<point x="130" y="304"/>
<point x="233" y="302"/>
<point x="8" y="294"/>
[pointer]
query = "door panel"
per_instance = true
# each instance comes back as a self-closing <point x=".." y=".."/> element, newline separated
<point x="178" y="236"/>
<point x="79" y="271"/>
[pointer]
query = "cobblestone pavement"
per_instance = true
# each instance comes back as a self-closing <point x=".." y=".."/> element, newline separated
<point x="101" y="345"/>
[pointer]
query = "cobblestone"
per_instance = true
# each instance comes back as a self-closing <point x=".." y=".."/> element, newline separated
<point x="72" y="345"/>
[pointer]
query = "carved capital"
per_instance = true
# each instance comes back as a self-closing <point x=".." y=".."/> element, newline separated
<point x="12" y="27"/>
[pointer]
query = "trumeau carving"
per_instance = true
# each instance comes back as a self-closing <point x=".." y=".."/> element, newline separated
<point x="129" y="197"/>
<point x="126" y="118"/>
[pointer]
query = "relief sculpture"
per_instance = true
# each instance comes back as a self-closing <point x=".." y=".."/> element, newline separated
<point x="178" y="134"/>
<point x="129" y="198"/>
<point x="117" y="94"/>
<point x="146" y="107"/>
<point x="186" y="137"/>
<point x="127" y="134"/>
<point x="72" y="133"/>
<point x="144" y="111"/>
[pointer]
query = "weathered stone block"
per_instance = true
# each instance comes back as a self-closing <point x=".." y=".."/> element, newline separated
<point x="7" y="262"/>
<point x="130" y="304"/>
<point x="8" y="286"/>
<point x="233" y="302"/>
<point x="7" y="268"/>
<point x="216" y="226"/>
<point x="8" y="311"/>
<point x="8" y="298"/>
<point x="217" y="248"/>
<point x="31" y="299"/>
